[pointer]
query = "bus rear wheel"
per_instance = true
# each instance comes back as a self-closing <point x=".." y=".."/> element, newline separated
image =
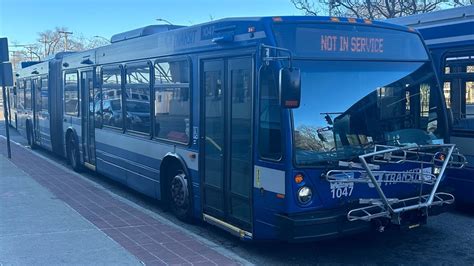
<point x="73" y="154"/>
<point x="29" y="136"/>
<point x="180" y="199"/>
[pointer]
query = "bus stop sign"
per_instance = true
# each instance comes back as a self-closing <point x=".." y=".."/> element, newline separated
<point x="4" y="50"/>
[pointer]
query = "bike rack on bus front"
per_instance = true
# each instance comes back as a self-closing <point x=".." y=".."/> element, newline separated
<point x="438" y="157"/>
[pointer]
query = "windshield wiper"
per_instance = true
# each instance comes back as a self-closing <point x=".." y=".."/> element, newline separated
<point x="383" y="142"/>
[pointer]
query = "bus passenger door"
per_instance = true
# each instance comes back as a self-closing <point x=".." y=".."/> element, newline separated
<point x="36" y="95"/>
<point x="227" y="89"/>
<point x="88" y="125"/>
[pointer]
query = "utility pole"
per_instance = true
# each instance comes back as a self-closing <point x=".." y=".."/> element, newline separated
<point x="66" y="33"/>
<point x="44" y="41"/>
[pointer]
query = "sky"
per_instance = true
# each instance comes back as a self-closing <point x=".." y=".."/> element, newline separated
<point x="21" y="20"/>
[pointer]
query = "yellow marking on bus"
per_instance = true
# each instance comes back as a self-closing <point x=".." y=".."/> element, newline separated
<point x="257" y="178"/>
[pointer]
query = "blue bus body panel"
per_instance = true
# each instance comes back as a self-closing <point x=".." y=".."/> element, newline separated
<point x="451" y="32"/>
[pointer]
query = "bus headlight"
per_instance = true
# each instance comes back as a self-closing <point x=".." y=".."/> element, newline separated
<point x="304" y="195"/>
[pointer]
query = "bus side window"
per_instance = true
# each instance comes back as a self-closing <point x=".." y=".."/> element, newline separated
<point x="112" y="97"/>
<point x="270" y="142"/>
<point x="14" y="93"/>
<point x="97" y="99"/>
<point x="71" y="94"/>
<point x="44" y="94"/>
<point x="20" y="95"/>
<point x="28" y="95"/>
<point x="470" y="98"/>
<point x="172" y="101"/>
<point x="459" y="87"/>
<point x="137" y="98"/>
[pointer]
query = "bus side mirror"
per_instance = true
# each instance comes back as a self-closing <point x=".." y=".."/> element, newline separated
<point x="290" y="87"/>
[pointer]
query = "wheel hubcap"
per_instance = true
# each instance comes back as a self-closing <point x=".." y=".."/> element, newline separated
<point x="179" y="191"/>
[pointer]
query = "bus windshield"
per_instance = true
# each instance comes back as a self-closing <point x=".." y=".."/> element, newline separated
<point x="348" y="107"/>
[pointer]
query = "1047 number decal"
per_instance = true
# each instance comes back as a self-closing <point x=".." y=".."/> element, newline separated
<point x="339" y="190"/>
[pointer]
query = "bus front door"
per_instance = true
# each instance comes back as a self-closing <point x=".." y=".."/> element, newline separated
<point x="226" y="142"/>
<point x="88" y="126"/>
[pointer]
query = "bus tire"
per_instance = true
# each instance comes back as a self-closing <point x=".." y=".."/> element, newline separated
<point x="29" y="136"/>
<point x="180" y="196"/>
<point x="73" y="153"/>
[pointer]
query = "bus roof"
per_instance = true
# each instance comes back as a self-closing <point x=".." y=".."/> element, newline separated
<point x="444" y="28"/>
<point x="436" y="18"/>
<point x="162" y="40"/>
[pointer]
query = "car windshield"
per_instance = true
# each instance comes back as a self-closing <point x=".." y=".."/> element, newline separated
<point x="349" y="106"/>
<point x="138" y="107"/>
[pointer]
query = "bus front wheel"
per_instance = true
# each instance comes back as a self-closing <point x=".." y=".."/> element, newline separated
<point x="180" y="200"/>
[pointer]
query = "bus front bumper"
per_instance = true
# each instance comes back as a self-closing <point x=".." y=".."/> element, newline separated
<point x="326" y="224"/>
<point x="318" y="225"/>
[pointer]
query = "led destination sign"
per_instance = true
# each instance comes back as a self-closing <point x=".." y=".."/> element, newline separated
<point x="331" y="43"/>
<point x="337" y="41"/>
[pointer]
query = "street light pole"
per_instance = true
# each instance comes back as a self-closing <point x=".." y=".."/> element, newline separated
<point x="164" y="20"/>
<point x="101" y="37"/>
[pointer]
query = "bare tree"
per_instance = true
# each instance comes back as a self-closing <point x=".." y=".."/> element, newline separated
<point x="94" y="42"/>
<point x="306" y="6"/>
<point x="374" y="9"/>
<point x="307" y="138"/>
<point x="50" y="42"/>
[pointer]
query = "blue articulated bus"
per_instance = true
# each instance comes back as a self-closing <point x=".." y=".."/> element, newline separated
<point x="291" y="128"/>
<point x="449" y="35"/>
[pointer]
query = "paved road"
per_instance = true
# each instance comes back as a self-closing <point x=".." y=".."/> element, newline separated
<point x="447" y="239"/>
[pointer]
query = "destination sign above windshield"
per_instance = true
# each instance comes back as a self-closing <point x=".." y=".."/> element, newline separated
<point x="350" y="42"/>
<point x="334" y="43"/>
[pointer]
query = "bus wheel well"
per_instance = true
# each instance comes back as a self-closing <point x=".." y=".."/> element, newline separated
<point x="176" y="187"/>
<point x="69" y="135"/>
<point x="169" y="165"/>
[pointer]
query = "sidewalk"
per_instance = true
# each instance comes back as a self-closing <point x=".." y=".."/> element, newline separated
<point x="50" y="215"/>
